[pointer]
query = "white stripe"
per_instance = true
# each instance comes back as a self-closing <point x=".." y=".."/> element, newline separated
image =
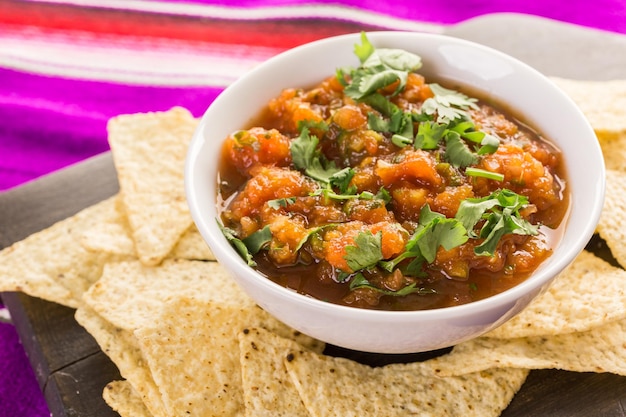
<point x="129" y="59"/>
<point x="251" y="13"/>
<point x="162" y="61"/>
<point x="5" y="316"/>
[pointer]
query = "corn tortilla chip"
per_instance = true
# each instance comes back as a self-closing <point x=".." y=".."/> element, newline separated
<point x="130" y="294"/>
<point x="121" y="347"/>
<point x="267" y="386"/>
<point x="149" y="152"/>
<point x="598" y="350"/>
<point x="602" y="102"/>
<point x="612" y="224"/>
<point x="192" y="350"/>
<point x="121" y="397"/>
<point x="113" y="235"/>
<point x="614" y="152"/>
<point x="574" y="303"/>
<point x="192" y="246"/>
<point x="332" y="386"/>
<point x="52" y="264"/>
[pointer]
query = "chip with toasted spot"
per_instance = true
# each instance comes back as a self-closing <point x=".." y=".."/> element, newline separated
<point x="192" y="350"/>
<point x="267" y="386"/>
<point x="574" y="302"/>
<point x="331" y="386"/>
<point x="121" y="397"/>
<point x="149" y="152"/>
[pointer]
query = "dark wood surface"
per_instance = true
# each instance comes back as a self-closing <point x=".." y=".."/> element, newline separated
<point x="69" y="365"/>
<point x="72" y="370"/>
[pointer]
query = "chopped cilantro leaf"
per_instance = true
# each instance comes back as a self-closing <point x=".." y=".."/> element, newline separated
<point x="359" y="281"/>
<point x="366" y="251"/>
<point x="457" y="152"/>
<point x="434" y="230"/>
<point x="365" y="49"/>
<point x="489" y="144"/>
<point x="281" y="202"/>
<point x="257" y="240"/>
<point x="380" y="68"/>
<point x="341" y="179"/>
<point x="429" y="134"/>
<point x="477" y="172"/>
<point x="500" y="213"/>
<point x="237" y="244"/>
<point x="449" y="104"/>
<point x="307" y="157"/>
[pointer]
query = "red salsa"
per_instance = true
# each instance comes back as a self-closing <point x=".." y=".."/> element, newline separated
<point x="377" y="189"/>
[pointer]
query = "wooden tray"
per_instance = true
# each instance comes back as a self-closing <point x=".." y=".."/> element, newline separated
<point x="72" y="370"/>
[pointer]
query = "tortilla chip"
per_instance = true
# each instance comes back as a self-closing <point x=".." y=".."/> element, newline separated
<point x="121" y="397"/>
<point x="612" y="224"/>
<point x="192" y="246"/>
<point x="52" y="264"/>
<point x="602" y="102"/>
<point x="149" y="152"/>
<point x="121" y="347"/>
<point x="130" y="294"/>
<point x="192" y="350"/>
<point x="574" y="303"/>
<point x="113" y="235"/>
<point x="267" y="386"/>
<point x="614" y="152"/>
<point x="598" y="350"/>
<point x="332" y="386"/>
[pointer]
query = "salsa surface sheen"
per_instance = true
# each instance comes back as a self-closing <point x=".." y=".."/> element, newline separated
<point x="311" y="231"/>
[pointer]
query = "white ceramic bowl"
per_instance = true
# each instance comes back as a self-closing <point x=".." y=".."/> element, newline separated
<point x="493" y="74"/>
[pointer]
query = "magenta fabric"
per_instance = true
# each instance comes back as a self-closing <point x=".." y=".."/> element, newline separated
<point x="48" y="123"/>
<point x="58" y="87"/>
<point x="19" y="393"/>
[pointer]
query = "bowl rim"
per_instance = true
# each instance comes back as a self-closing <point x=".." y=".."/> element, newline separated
<point x="228" y="256"/>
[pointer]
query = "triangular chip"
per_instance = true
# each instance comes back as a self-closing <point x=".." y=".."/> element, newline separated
<point x="598" y="350"/>
<point x="332" y="387"/>
<point x="612" y="224"/>
<point x="192" y="350"/>
<point x="121" y="397"/>
<point x="113" y="235"/>
<point x="267" y="387"/>
<point x="614" y="152"/>
<point x="52" y="264"/>
<point x="149" y="151"/>
<point x="192" y="246"/>
<point x="121" y="347"/>
<point x="130" y="294"/>
<point x="602" y="102"/>
<point x="574" y="303"/>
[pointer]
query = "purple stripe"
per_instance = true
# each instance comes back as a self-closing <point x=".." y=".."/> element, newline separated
<point x="602" y="14"/>
<point x="49" y="123"/>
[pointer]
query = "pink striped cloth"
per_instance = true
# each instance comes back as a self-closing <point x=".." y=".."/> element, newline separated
<point x="66" y="67"/>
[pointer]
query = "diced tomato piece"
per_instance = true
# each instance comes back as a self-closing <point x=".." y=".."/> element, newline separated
<point x="415" y="165"/>
<point x="257" y="146"/>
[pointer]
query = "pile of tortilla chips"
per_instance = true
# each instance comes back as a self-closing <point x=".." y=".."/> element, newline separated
<point x="187" y="341"/>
